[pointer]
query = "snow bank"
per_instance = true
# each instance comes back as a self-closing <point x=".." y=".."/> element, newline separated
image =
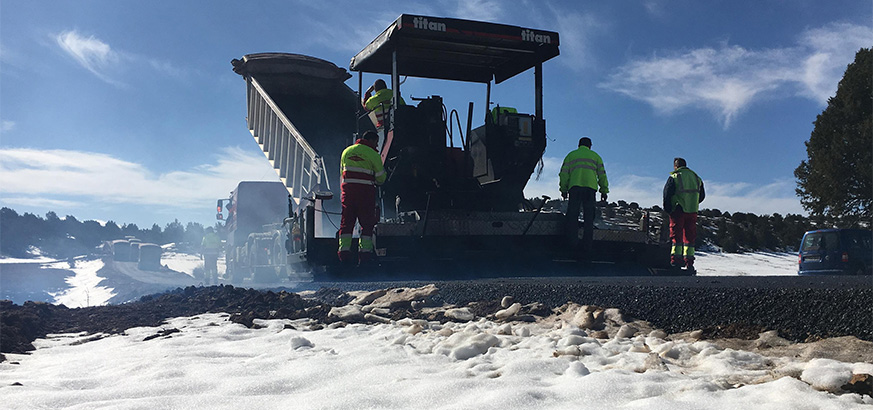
<point x="84" y="287"/>
<point x="185" y="262"/>
<point x="37" y="256"/>
<point x="826" y="374"/>
<point x="208" y="362"/>
<point x="746" y="264"/>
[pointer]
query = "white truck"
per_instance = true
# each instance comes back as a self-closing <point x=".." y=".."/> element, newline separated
<point x="256" y="239"/>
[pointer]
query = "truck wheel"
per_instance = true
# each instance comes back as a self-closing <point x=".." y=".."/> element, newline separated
<point x="233" y="268"/>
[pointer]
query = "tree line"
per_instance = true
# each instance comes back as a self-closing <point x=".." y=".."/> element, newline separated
<point x="836" y="180"/>
<point x="68" y="237"/>
<point x="741" y="231"/>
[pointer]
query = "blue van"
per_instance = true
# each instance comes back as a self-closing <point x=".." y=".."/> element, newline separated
<point x="836" y="252"/>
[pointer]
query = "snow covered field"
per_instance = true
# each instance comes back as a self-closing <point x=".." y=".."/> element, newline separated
<point x="85" y="288"/>
<point x="215" y="364"/>
<point x="746" y="264"/>
<point x="184" y="262"/>
<point x="207" y="361"/>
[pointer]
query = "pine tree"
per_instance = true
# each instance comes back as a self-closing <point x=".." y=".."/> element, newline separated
<point x="836" y="181"/>
<point x="174" y="232"/>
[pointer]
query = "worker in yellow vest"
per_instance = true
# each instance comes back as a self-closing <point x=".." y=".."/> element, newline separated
<point x="582" y="174"/>
<point x="361" y="170"/>
<point x="377" y="99"/>
<point x="683" y="193"/>
<point x="210" y="247"/>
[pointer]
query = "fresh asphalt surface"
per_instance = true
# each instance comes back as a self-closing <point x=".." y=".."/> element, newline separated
<point x="488" y="286"/>
<point x="799" y="307"/>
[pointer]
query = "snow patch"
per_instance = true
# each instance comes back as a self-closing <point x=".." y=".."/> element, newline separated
<point x="826" y="374"/>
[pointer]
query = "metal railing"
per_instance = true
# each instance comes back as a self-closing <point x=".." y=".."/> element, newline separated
<point x="300" y="168"/>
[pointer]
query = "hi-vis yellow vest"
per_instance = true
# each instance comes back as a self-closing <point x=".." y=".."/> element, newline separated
<point x="379" y="103"/>
<point x="583" y="167"/>
<point x="361" y="164"/>
<point x="211" y="242"/>
<point x="687" y="190"/>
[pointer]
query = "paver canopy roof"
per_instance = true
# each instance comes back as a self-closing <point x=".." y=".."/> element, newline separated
<point x="454" y="49"/>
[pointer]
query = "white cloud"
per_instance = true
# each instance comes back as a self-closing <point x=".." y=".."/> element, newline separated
<point x="6" y="125"/>
<point x="774" y="197"/>
<point x="575" y="30"/>
<point x="108" y="64"/>
<point x="654" y="8"/>
<point x="166" y="68"/>
<point x="480" y="10"/>
<point x="644" y="190"/>
<point x="548" y="182"/>
<point x="59" y="179"/>
<point x="832" y="48"/>
<point x="91" y="53"/>
<point x="32" y="177"/>
<point x="728" y="78"/>
<point x="48" y="203"/>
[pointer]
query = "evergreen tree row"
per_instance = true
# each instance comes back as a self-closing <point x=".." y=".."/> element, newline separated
<point x="64" y="238"/>
<point x="739" y="232"/>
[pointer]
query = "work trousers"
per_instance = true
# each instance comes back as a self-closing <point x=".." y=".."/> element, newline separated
<point x="584" y="198"/>
<point x="210" y="266"/>
<point x="683" y="233"/>
<point x="358" y="205"/>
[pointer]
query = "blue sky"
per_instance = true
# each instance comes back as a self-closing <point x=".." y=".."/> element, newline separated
<point x="129" y="110"/>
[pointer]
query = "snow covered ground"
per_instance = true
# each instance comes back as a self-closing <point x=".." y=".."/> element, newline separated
<point x="213" y="363"/>
<point x="36" y="257"/>
<point x="207" y="361"/>
<point x="85" y="289"/>
<point x="39" y="259"/>
<point x="185" y="262"/>
<point x="746" y="264"/>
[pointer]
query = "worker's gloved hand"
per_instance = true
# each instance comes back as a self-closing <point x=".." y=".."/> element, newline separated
<point x="603" y="197"/>
<point x="563" y="195"/>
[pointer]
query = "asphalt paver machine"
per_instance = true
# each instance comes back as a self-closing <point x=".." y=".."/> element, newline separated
<point x="455" y="206"/>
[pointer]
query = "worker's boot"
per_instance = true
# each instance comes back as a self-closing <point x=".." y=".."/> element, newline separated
<point x="365" y="259"/>
<point x="689" y="266"/>
<point x="345" y="257"/>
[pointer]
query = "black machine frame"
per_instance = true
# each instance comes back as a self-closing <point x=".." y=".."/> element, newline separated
<point x="455" y="49"/>
<point x="436" y="240"/>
